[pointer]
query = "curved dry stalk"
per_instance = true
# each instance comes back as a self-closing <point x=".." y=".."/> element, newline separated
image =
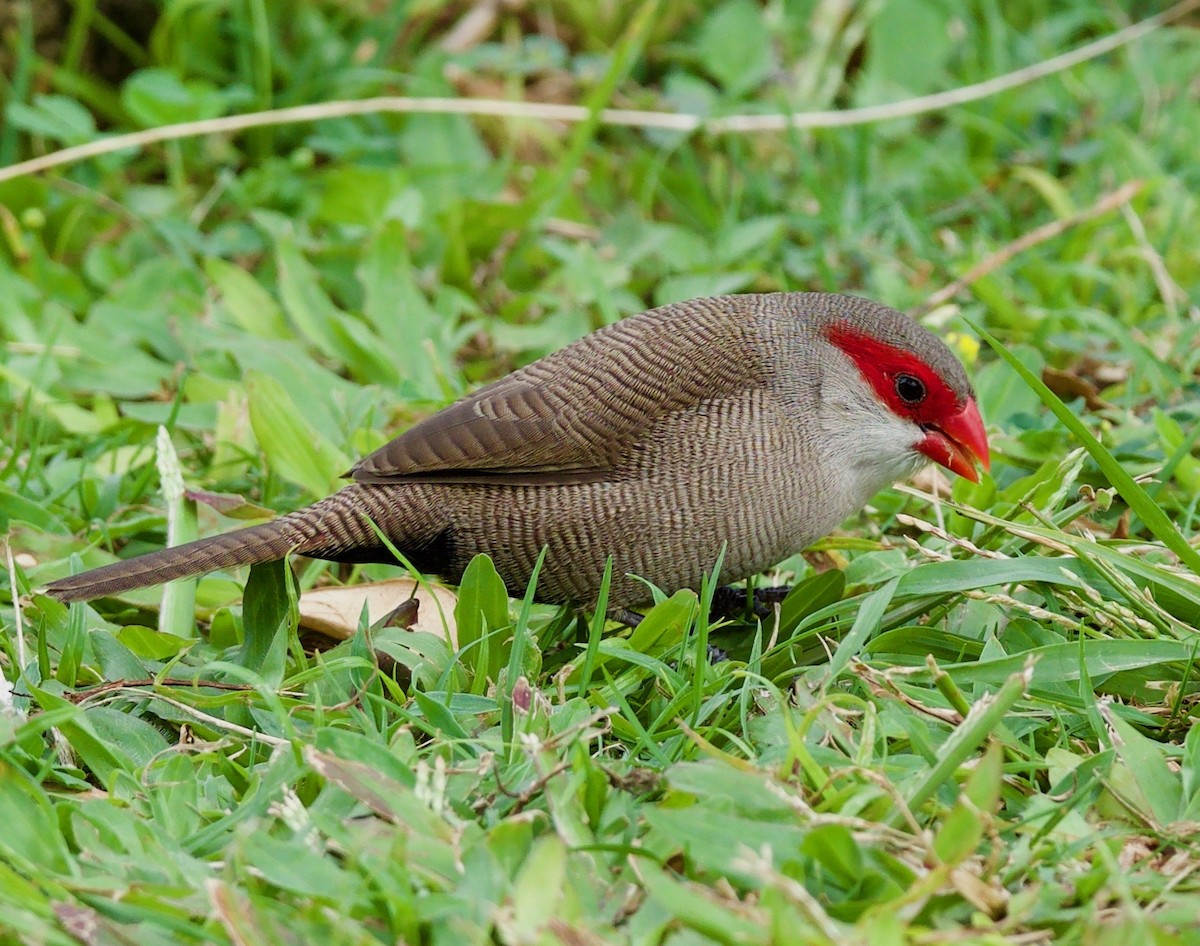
<point x="1047" y="231"/>
<point x="632" y="118"/>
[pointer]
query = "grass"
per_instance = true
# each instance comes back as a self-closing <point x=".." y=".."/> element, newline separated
<point x="971" y="722"/>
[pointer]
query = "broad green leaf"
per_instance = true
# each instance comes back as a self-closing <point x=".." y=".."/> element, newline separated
<point x="18" y="507"/>
<point x="174" y="781"/>
<point x="661" y="627"/>
<point x="717" y="840"/>
<point x="538" y="889"/>
<point x="400" y="314"/>
<point x="149" y="643"/>
<point x="920" y="639"/>
<point x="1160" y="788"/>
<point x="963" y="828"/>
<point x="136" y="738"/>
<point x="329" y="329"/>
<point x="359" y="195"/>
<point x="293" y="448"/>
<point x="357" y="747"/>
<point x="1173" y="590"/>
<point x="735" y="45"/>
<point x="57" y="117"/>
<point x="888" y="73"/>
<point x="664" y="623"/>
<point x="987" y="779"/>
<point x="694" y="908"/>
<point x="438" y="713"/>
<point x="117" y="660"/>
<point x="31" y="834"/>
<point x="1179" y="446"/>
<point x="694" y="285"/>
<point x="959" y="835"/>
<point x="159" y="97"/>
<point x="834" y="847"/>
<point x="719" y="783"/>
<point x="1190" y="775"/>
<point x="870" y="613"/>
<point x="482" y="607"/>
<point x="293" y="867"/>
<point x="70" y="657"/>
<point x="939" y="578"/>
<point x="251" y="306"/>
<point x="100" y="755"/>
<point x="267" y="620"/>
<point x="431" y="839"/>
<point x="1060" y="662"/>
<point x="809" y="596"/>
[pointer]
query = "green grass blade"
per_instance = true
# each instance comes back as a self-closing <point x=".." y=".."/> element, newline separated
<point x="1157" y="521"/>
<point x="971" y="734"/>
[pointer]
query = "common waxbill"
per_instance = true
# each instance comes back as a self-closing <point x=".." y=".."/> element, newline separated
<point x="755" y="421"/>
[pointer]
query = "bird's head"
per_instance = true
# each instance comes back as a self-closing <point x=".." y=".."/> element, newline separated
<point x="916" y="403"/>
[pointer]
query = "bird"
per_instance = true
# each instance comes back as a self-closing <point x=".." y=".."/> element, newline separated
<point x="738" y="428"/>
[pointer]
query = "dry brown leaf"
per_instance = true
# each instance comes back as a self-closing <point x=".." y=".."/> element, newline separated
<point x="228" y="504"/>
<point x="987" y="898"/>
<point x="333" y="611"/>
<point x="1101" y="373"/>
<point x="1069" y="385"/>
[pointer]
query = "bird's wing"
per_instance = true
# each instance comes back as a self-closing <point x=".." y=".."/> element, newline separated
<point x="573" y="415"/>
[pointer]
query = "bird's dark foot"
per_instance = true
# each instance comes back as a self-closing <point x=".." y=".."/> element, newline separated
<point x="730" y="602"/>
<point x="727" y="602"/>
<point x="626" y="617"/>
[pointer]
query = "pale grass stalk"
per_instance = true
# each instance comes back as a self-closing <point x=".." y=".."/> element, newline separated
<point x="212" y="721"/>
<point x="1171" y="292"/>
<point x="1010" y="527"/>
<point x="1109" y="613"/>
<point x="177" y="614"/>
<point x="939" y="532"/>
<point x="630" y="118"/>
<point x="1047" y="231"/>
<point x="18" y="615"/>
<point x="759" y="863"/>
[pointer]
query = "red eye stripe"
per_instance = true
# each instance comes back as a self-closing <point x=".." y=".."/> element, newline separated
<point x="880" y="363"/>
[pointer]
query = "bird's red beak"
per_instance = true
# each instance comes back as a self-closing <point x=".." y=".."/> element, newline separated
<point x="958" y="442"/>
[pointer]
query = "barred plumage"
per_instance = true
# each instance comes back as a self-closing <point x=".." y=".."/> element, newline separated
<point x="730" y="421"/>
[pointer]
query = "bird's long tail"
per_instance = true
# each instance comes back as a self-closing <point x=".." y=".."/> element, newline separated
<point x="323" y="528"/>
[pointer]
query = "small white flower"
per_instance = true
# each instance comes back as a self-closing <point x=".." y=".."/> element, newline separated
<point x="760" y="863"/>
<point x="431" y="784"/>
<point x="291" y="811"/>
<point x="530" y="742"/>
<point x="8" y="706"/>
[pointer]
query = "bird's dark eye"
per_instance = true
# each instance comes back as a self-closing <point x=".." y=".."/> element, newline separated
<point x="910" y="389"/>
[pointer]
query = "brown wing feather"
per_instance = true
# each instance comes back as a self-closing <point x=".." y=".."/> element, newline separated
<point x="573" y="415"/>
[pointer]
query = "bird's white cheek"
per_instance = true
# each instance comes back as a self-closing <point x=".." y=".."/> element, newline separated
<point x="876" y="451"/>
<point x="869" y="447"/>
